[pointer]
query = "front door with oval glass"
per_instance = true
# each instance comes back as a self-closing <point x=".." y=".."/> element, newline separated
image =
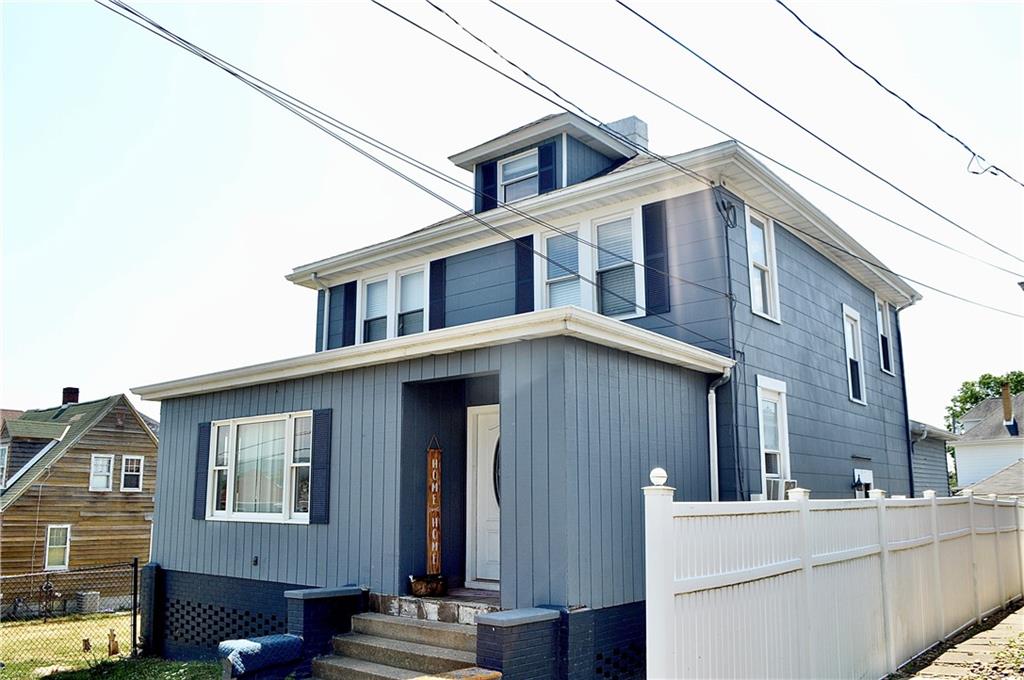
<point x="483" y="498"/>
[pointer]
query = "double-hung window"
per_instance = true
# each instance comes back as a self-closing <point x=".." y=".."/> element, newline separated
<point x="884" y="313"/>
<point x="562" y="270"/>
<point x="761" y="254"/>
<point x="518" y="177"/>
<point x="260" y="468"/>
<point x="131" y="473"/>
<point x="411" y="301"/>
<point x="375" y="311"/>
<point x="772" y="419"/>
<point x="58" y="546"/>
<point x="854" y="354"/>
<point x="615" y="274"/>
<point x="101" y="472"/>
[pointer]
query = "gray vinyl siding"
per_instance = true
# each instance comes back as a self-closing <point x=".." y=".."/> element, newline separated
<point x="829" y="434"/>
<point x="480" y="284"/>
<point x="930" y="467"/>
<point x="583" y="163"/>
<point x="581" y="427"/>
<point x="698" y="314"/>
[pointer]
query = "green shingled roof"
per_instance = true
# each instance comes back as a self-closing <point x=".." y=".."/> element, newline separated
<point x="36" y="429"/>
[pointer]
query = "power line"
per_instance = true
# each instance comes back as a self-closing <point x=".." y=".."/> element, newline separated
<point x="170" y="36"/>
<point x="749" y="146"/>
<point x="990" y="169"/>
<point x="692" y="173"/>
<point x="816" y="136"/>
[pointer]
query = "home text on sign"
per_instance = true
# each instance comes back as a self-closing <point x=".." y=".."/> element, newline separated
<point x="433" y="511"/>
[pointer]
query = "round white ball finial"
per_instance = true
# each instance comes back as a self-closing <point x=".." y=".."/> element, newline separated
<point x="659" y="476"/>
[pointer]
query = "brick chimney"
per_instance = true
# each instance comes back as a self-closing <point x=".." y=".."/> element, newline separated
<point x="1008" y="420"/>
<point x="70" y="396"/>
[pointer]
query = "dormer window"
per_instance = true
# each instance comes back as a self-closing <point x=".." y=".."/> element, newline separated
<point x="518" y="177"/>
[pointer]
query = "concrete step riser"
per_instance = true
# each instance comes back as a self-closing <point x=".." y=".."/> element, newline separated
<point x="323" y="671"/>
<point x="412" y="660"/>
<point x="446" y="637"/>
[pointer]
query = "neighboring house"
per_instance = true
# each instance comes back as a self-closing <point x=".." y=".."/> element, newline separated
<point x="750" y="354"/>
<point x="79" y="486"/>
<point x="931" y="470"/>
<point x="1006" y="482"/>
<point x="991" y="439"/>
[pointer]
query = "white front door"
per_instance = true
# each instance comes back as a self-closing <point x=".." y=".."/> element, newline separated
<point x="483" y="520"/>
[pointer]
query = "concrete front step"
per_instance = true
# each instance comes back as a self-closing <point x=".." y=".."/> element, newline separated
<point x="448" y="635"/>
<point x="443" y="609"/>
<point x="344" y="668"/>
<point x="403" y="654"/>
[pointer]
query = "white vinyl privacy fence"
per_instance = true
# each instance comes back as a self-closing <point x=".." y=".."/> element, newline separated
<point x="820" y="588"/>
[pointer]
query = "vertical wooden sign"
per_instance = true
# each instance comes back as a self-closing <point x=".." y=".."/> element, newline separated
<point x="433" y="511"/>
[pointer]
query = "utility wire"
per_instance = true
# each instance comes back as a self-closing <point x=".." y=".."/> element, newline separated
<point x="749" y="146"/>
<point x="138" y="18"/>
<point x="990" y="169"/>
<point x="691" y="173"/>
<point x="816" y="136"/>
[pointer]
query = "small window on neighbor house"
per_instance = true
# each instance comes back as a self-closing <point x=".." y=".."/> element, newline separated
<point x="616" y="276"/>
<point x="58" y="546"/>
<point x="854" y="354"/>
<point x="131" y="473"/>
<point x="3" y="465"/>
<point x="101" y="472"/>
<point x="761" y="253"/>
<point x="518" y="177"/>
<point x="562" y="267"/>
<point x="411" y="299"/>
<point x="375" y="311"/>
<point x="884" y="313"/>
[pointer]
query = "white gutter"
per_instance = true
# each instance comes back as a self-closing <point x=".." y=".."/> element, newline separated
<point x="561" y="321"/>
<point x="713" y="431"/>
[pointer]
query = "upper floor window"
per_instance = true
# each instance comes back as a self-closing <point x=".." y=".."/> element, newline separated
<point x="375" y="311"/>
<point x="518" y="177"/>
<point x="772" y="419"/>
<point x="101" y="472"/>
<point x="562" y="270"/>
<point x="3" y="465"/>
<point x="764" y="289"/>
<point x="854" y="354"/>
<point x="131" y="473"/>
<point x="260" y="468"/>
<point x="58" y="546"/>
<point x="615" y="273"/>
<point x="411" y="302"/>
<point x="884" y="313"/>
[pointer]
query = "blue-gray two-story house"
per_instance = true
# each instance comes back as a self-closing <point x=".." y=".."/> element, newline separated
<point x="620" y="316"/>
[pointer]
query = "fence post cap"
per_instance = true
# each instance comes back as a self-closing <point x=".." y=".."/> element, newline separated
<point x="659" y="476"/>
<point x="928" y="493"/>
<point x="876" y="493"/>
<point x="798" y="494"/>
<point x="966" y="492"/>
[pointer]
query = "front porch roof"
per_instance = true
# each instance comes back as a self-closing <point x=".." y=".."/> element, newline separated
<point x="561" y="321"/>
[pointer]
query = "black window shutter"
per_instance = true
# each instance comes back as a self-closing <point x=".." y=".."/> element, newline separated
<point x="487" y="186"/>
<point x="202" y="471"/>
<point x="524" y="274"/>
<point x="348" y="323"/>
<point x="656" y="258"/>
<point x="320" y="298"/>
<point x="320" y="468"/>
<point x="437" y="293"/>
<point x="547" y="168"/>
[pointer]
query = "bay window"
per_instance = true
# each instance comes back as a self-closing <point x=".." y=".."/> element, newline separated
<point x="562" y="267"/>
<point x="615" y="273"/>
<point x="375" y="311"/>
<point x="260" y="468"/>
<point x="518" y="177"/>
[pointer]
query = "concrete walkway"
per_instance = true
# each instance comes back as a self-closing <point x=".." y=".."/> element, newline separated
<point x="975" y="656"/>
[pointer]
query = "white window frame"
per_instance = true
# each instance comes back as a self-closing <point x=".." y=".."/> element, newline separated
<point x="851" y="314"/>
<point x="389" y="313"/>
<point x="286" y="516"/>
<point x="885" y="325"/>
<point x="774" y="312"/>
<point x="774" y="390"/>
<point x="5" y="452"/>
<point x="67" y="549"/>
<point x="396" y="292"/>
<point x="142" y="466"/>
<point x="543" y="238"/>
<point x="635" y="216"/>
<point x="110" y="476"/>
<point x="501" y="171"/>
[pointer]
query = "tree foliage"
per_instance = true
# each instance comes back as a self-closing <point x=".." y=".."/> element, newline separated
<point x="974" y="392"/>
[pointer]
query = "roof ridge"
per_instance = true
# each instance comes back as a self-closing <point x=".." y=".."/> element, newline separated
<point x="77" y="403"/>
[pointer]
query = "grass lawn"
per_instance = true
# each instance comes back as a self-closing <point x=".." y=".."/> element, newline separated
<point x="143" y="669"/>
<point x="29" y="645"/>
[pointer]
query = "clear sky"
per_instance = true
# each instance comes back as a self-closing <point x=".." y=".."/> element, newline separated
<point x="152" y="204"/>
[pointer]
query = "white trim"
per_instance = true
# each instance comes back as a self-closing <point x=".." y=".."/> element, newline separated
<point x="142" y="467"/>
<point x="110" y="474"/>
<point x="774" y="311"/>
<point x="501" y="162"/>
<point x="397" y="306"/>
<point x="6" y="449"/>
<point x="571" y="321"/>
<point x="541" y="280"/>
<point x="565" y="160"/>
<point x="67" y="548"/>
<point x="635" y="216"/>
<point x="886" y="325"/>
<point x="472" y="412"/>
<point x="35" y="459"/>
<point x="849" y="313"/>
<point x="775" y="390"/>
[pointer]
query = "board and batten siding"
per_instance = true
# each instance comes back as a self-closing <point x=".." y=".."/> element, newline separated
<point x="581" y="426"/>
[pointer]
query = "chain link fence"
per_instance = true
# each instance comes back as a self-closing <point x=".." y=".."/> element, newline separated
<point x="67" y="619"/>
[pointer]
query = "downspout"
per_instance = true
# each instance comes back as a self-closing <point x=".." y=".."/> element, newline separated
<point x="713" y="430"/>
<point x="906" y="408"/>
<point x="327" y="307"/>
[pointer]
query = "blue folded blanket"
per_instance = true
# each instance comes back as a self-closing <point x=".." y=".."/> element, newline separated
<point x="260" y="652"/>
